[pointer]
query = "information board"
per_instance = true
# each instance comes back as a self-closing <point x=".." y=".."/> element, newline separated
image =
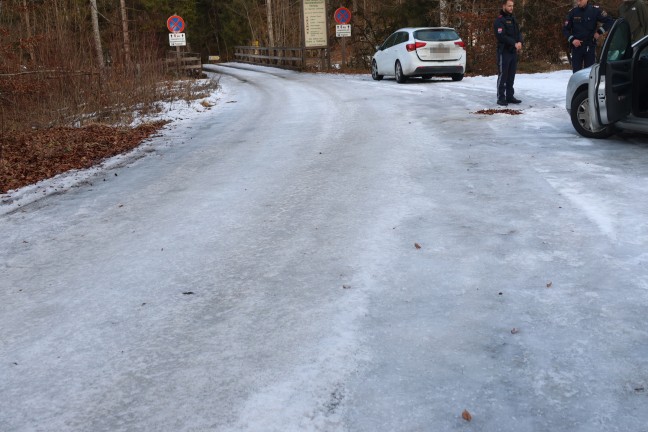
<point x="315" y="30"/>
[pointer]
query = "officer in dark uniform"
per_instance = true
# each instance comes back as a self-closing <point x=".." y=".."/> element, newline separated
<point x="509" y="44"/>
<point x="582" y="33"/>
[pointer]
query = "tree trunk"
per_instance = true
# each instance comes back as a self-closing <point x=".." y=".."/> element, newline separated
<point x="443" y="13"/>
<point x="124" y="16"/>
<point x="30" y="50"/>
<point x="97" y="36"/>
<point x="271" y="41"/>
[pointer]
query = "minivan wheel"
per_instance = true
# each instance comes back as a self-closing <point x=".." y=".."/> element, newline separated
<point x="457" y="77"/>
<point x="400" y="76"/>
<point x="580" y="118"/>
<point x="374" y="71"/>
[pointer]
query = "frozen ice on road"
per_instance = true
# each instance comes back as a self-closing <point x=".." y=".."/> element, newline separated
<point x="328" y="253"/>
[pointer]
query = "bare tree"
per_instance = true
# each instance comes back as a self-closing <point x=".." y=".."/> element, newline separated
<point x="28" y="31"/>
<point x="124" y="17"/>
<point x="443" y="13"/>
<point x="94" y="13"/>
<point x="271" y="41"/>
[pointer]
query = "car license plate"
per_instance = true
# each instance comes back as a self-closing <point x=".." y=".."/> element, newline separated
<point x="440" y="50"/>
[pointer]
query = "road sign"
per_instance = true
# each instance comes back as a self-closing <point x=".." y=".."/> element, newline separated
<point x="175" y="24"/>
<point x="342" y="15"/>
<point x="343" y="30"/>
<point x="177" y="39"/>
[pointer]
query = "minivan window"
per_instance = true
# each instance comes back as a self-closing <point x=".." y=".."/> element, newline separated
<point x="620" y="47"/>
<point x="390" y="41"/>
<point x="436" y="35"/>
<point x="402" y="37"/>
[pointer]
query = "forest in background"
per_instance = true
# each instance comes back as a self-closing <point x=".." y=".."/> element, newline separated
<point x="66" y="62"/>
<point x="75" y="73"/>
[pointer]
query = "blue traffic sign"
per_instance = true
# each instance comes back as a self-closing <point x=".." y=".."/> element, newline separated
<point x="342" y="15"/>
<point x="175" y="24"/>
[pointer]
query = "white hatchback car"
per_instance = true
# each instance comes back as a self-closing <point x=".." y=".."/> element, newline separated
<point x="420" y="52"/>
<point x="612" y="95"/>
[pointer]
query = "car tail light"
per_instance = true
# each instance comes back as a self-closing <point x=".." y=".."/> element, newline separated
<point x="461" y="44"/>
<point x="414" y="46"/>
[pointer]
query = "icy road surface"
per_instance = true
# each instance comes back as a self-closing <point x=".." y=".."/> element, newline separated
<point x="329" y="253"/>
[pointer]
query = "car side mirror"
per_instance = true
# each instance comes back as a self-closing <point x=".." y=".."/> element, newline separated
<point x="378" y="47"/>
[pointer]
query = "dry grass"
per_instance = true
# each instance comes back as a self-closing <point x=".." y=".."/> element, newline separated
<point x="28" y="157"/>
<point x="78" y="127"/>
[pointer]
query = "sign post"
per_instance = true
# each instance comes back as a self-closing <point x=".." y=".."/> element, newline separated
<point x="314" y="28"/>
<point x="176" y="25"/>
<point x="342" y="16"/>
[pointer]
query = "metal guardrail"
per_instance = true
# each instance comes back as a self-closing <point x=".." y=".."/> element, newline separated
<point x="288" y="58"/>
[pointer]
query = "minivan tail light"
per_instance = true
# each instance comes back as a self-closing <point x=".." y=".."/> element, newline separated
<point x="462" y="44"/>
<point x="414" y="46"/>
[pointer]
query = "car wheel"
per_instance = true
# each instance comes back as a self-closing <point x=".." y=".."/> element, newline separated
<point x="580" y="118"/>
<point x="400" y="76"/>
<point x="374" y="71"/>
<point x="457" y="77"/>
<point x="426" y="77"/>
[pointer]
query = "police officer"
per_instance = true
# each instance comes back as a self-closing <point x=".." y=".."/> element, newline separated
<point x="582" y="33"/>
<point x="509" y="44"/>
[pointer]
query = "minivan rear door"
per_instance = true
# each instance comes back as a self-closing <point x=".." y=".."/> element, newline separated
<point x="610" y="84"/>
<point x="440" y="44"/>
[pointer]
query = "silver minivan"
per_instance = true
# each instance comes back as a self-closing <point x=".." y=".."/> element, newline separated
<point x="612" y="95"/>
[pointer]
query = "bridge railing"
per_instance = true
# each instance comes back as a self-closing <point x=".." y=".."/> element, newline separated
<point x="183" y="62"/>
<point x="288" y="58"/>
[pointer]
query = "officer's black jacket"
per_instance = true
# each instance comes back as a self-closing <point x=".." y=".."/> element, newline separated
<point x="507" y="32"/>
<point x="581" y="24"/>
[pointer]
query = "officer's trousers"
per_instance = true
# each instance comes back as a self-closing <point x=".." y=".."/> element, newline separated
<point x="582" y="57"/>
<point x="507" y="67"/>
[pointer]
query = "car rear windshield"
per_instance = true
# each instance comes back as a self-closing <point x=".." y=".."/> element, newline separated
<point x="436" y="35"/>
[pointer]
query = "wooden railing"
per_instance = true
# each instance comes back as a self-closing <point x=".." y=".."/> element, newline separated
<point x="288" y="58"/>
<point x="187" y="62"/>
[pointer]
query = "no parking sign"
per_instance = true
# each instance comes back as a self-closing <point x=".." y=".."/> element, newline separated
<point x="175" y="24"/>
<point x="342" y="15"/>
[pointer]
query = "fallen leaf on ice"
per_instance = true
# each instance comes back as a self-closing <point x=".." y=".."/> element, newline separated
<point x="466" y="415"/>
<point x="549" y="284"/>
<point x="514" y="330"/>
<point x="499" y="111"/>
<point x="417" y="246"/>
